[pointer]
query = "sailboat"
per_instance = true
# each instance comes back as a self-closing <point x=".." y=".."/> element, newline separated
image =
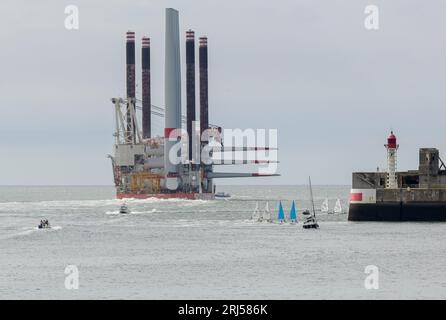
<point x="338" y="207"/>
<point x="310" y="219"/>
<point x="281" y="214"/>
<point x="256" y="213"/>
<point x="293" y="219"/>
<point x="266" y="214"/>
<point x="324" y="206"/>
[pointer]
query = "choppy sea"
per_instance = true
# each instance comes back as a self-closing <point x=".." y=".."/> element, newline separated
<point x="183" y="249"/>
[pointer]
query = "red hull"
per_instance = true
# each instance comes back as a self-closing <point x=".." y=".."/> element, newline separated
<point x="179" y="195"/>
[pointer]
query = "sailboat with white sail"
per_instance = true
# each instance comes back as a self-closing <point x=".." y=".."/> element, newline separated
<point x="324" y="206"/>
<point x="338" y="207"/>
<point x="256" y="214"/>
<point x="266" y="216"/>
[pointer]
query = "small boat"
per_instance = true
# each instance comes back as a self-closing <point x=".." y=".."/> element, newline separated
<point x="293" y="218"/>
<point x="310" y="219"/>
<point x="281" y="214"/>
<point x="221" y="195"/>
<point x="338" y="207"/>
<point x="256" y="214"/>
<point x="44" y="224"/>
<point x="324" y="206"/>
<point x="124" y="209"/>
<point x="266" y="216"/>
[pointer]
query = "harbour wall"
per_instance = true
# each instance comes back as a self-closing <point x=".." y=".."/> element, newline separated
<point x="402" y="205"/>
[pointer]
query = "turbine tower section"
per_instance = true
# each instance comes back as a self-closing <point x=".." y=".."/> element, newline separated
<point x="204" y="99"/>
<point x="146" y="91"/>
<point x="172" y="96"/>
<point x="190" y="88"/>
<point x="130" y="82"/>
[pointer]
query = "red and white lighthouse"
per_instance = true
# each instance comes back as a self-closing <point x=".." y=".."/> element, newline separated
<point x="392" y="147"/>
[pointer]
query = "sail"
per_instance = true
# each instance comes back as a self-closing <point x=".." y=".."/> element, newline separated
<point x="281" y="215"/>
<point x="256" y="213"/>
<point x="266" y="213"/>
<point x="338" y="207"/>
<point x="293" y="213"/>
<point x="311" y="195"/>
<point x="324" y="206"/>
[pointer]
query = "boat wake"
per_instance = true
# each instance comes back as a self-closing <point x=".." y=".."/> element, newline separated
<point x="117" y="213"/>
<point x="144" y="212"/>
<point x="15" y="207"/>
<point x="52" y="228"/>
<point x="28" y="231"/>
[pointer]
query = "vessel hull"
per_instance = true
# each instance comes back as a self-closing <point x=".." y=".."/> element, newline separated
<point x="178" y="195"/>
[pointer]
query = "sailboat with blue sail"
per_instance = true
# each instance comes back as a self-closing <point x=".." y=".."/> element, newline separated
<point x="293" y="218"/>
<point x="281" y="214"/>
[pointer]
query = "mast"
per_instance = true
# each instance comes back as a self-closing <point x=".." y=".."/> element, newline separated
<point x="312" y="201"/>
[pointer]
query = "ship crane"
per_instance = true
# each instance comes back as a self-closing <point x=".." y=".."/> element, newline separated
<point x="160" y="112"/>
<point x="122" y="135"/>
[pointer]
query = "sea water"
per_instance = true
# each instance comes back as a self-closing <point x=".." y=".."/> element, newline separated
<point x="184" y="249"/>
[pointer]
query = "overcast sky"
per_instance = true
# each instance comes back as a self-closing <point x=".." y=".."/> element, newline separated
<point x="308" y="68"/>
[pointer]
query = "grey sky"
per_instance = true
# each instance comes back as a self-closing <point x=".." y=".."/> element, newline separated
<point x="308" y="68"/>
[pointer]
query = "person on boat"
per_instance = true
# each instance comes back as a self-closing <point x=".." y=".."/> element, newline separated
<point x="44" y="224"/>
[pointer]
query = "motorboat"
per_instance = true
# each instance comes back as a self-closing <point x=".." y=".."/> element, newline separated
<point x="44" y="224"/>
<point x="222" y="195"/>
<point x="124" y="209"/>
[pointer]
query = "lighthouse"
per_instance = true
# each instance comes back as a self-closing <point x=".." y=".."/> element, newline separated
<point x="392" y="147"/>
